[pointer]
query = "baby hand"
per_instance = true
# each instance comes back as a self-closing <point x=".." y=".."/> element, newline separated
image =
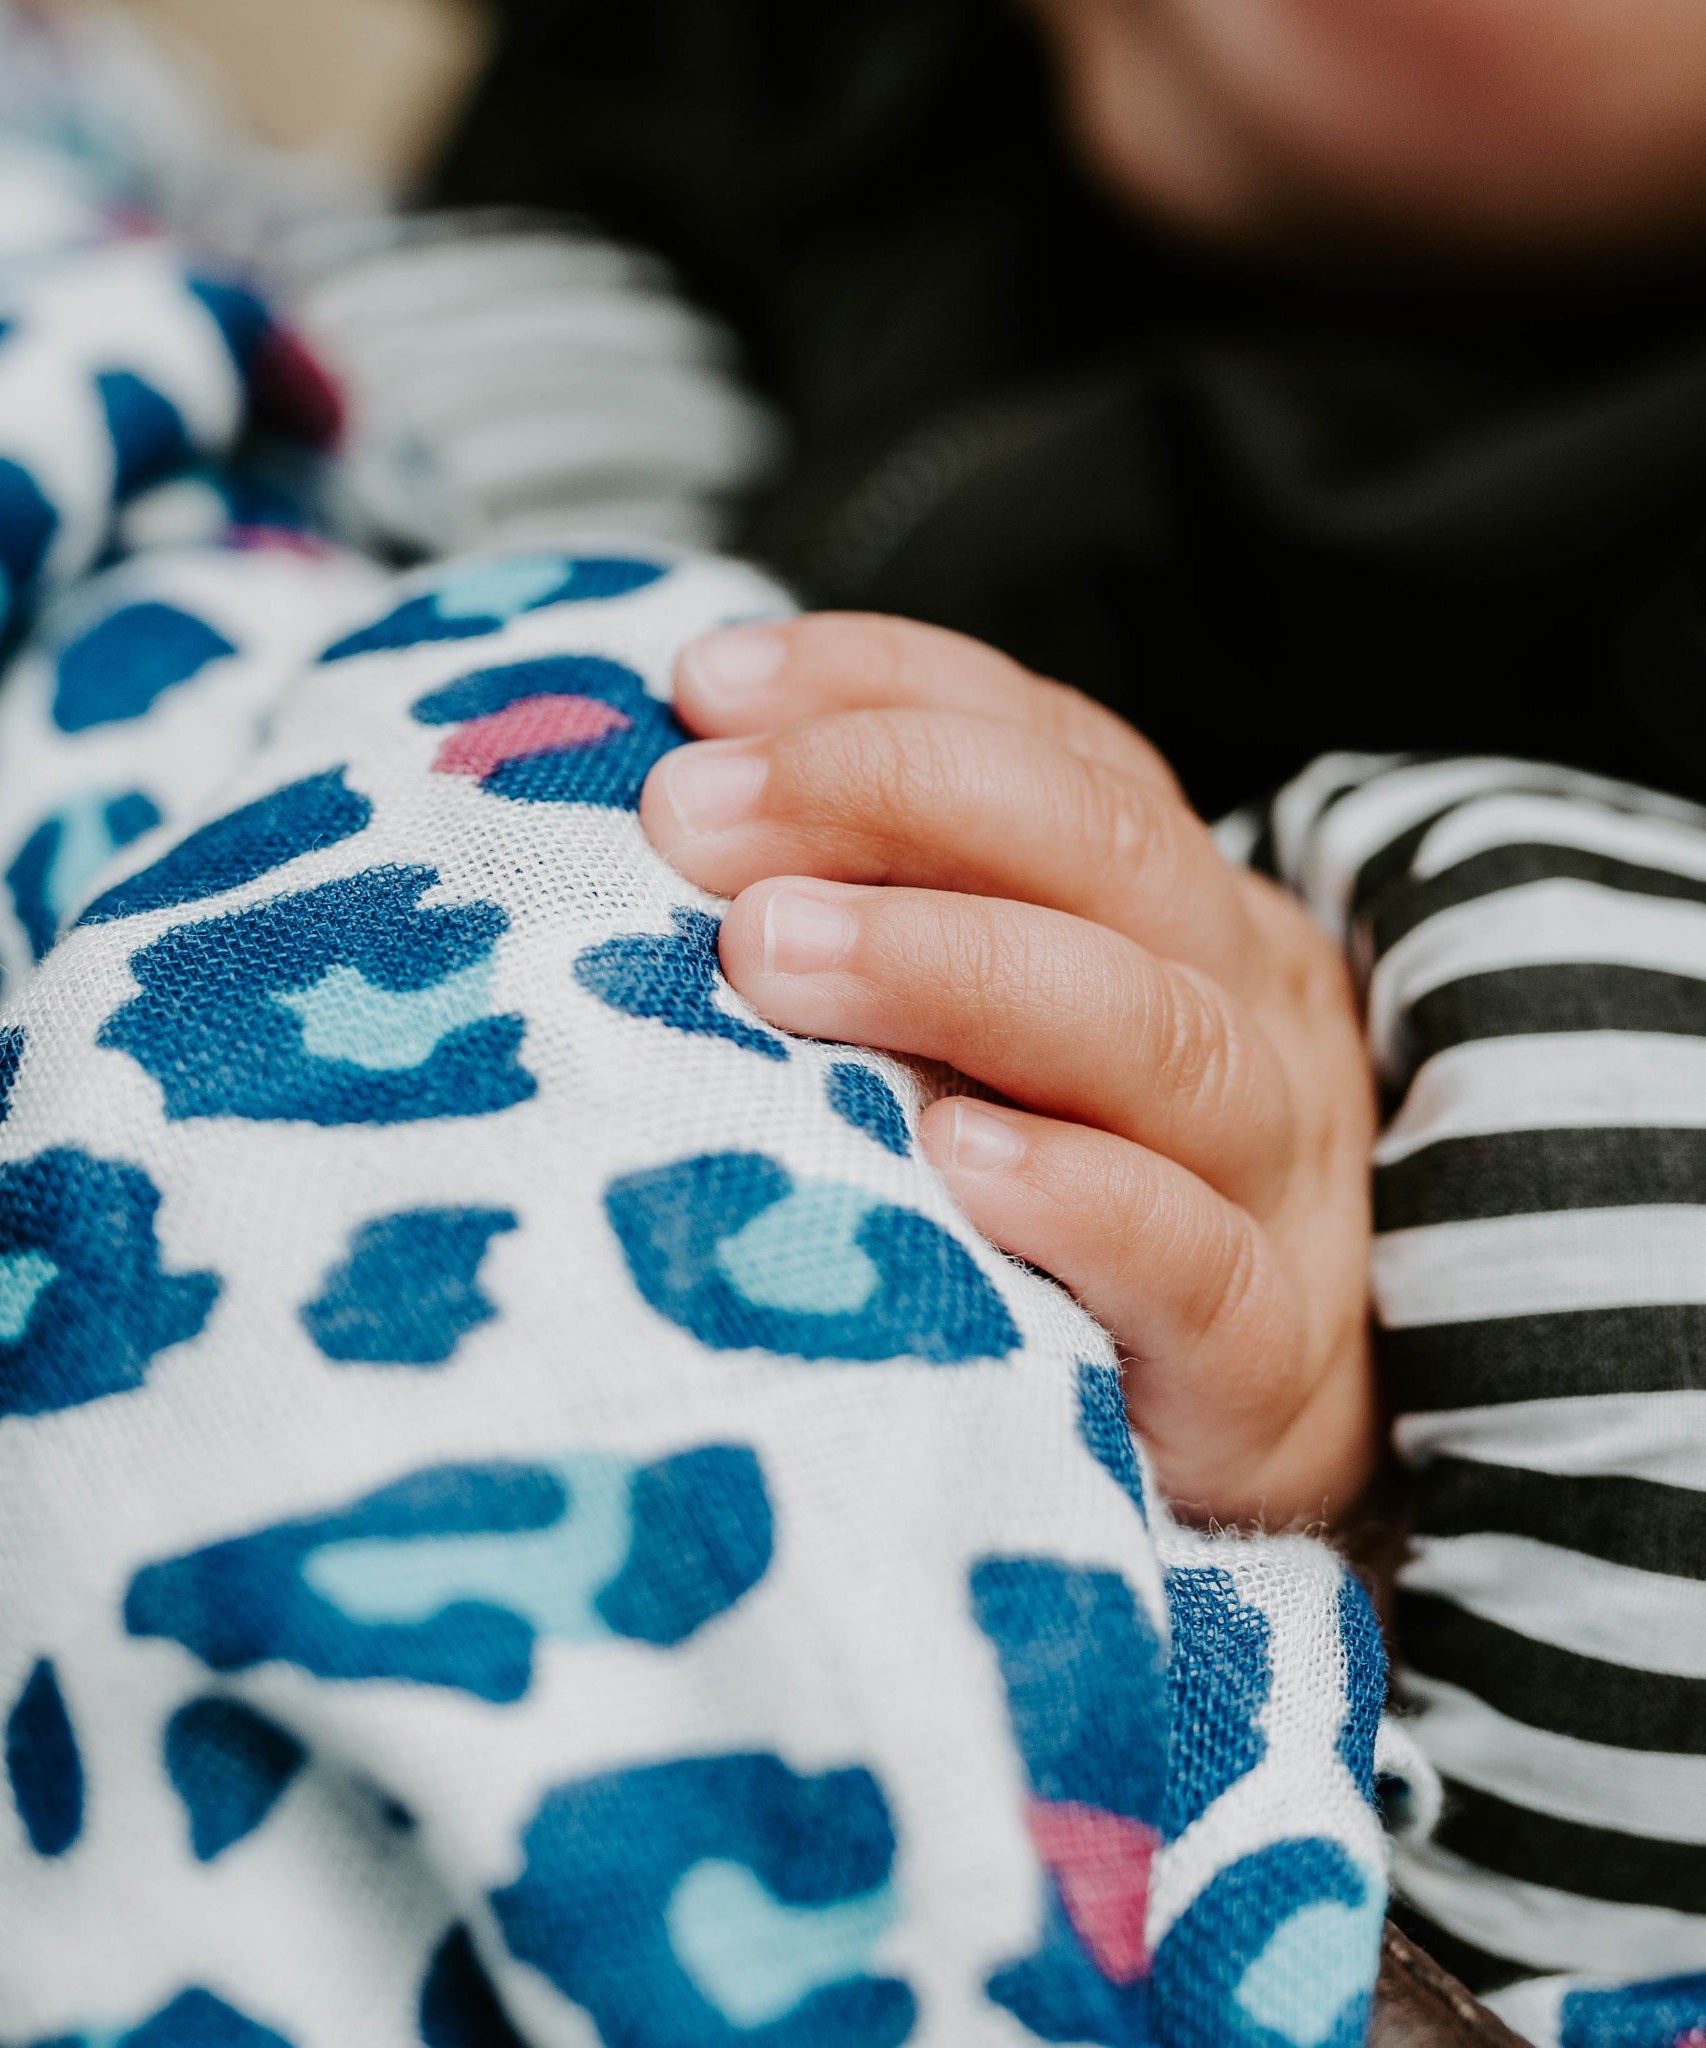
<point x="934" y="852"/>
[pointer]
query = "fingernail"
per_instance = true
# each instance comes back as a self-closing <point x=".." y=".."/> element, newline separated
<point x="729" y="668"/>
<point x="806" y="932"/>
<point x="713" y="784"/>
<point x="981" y="1142"/>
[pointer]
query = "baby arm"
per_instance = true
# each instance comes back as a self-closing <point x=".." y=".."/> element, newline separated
<point x="934" y="852"/>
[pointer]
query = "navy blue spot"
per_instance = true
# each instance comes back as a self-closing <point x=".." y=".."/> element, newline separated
<point x="194" y="2019"/>
<point x="931" y="1301"/>
<point x="605" y="1858"/>
<point x="1201" y="1962"/>
<point x="243" y="321"/>
<point x="436" y="615"/>
<point x="13" y="1039"/>
<point x="1365" y="1684"/>
<point x="1220" y="1679"/>
<point x="124" y="663"/>
<point x="28" y="524"/>
<point x="459" y="2008"/>
<point x="1060" y="1995"/>
<point x="1086" y="1677"/>
<point x="674" y="978"/>
<point x="65" y="853"/>
<point x="409" y="1291"/>
<point x="698" y="1530"/>
<point x="229" y="1765"/>
<point x="1106" y="1429"/>
<point x="610" y="770"/>
<point x="148" y="433"/>
<point x="84" y="1304"/>
<point x="225" y="1020"/>
<point x="248" y="843"/>
<point x="1666" y="2012"/>
<point x="43" y="1765"/>
<point x="702" y="1538"/>
<point x="861" y="1097"/>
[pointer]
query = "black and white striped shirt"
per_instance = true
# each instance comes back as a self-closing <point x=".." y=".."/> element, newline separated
<point x="1533" y="947"/>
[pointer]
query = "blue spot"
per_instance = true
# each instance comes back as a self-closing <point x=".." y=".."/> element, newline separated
<point x="1086" y="1678"/>
<point x="215" y="1025"/>
<point x="96" y="1326"/>
<point x="28" y="524"/>
<point x="65" y="853"/>
<point x="125" y="662"/>
<point x="931" y="1300"/>
<point x="506" y="720"/>
<point x="13" y="1039"/>
<point x="409" y="1291"/>
<point x="1666" y="2012"/>
<point x="1060" y="1995"/>
<point x="148" y="433"/>
<point x="450" y="1576"/>
<point x="1220" y="1680"/>
<point x="230" y="1766"/>
<point x="675" y="978"/>
<point x="482" y="597"/>
<point x="459" y="2008"/>
<point x="621" y="1875"/>
<point x="347" y="1021"/>
<point x="239" y="848"/>
<point x="242" y="320"/>
<point x="701" y="1539"/>
<point x="43" y="1765"/>
<point x="1365" y="1684"/>
<point x="1230" y="1973"/>
<point x="23" y="1278"/>
<point x="861" y="1097"/>
<point x="196" y="2019"/>
<point x="1106" y="1430"/>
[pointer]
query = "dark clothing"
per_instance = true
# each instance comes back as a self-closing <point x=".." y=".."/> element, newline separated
<point x="1259" y="518"/>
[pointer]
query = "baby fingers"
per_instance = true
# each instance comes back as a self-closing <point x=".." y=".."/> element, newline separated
<point x="1060" y="1014"/>
<point x="1219" y="1373"/>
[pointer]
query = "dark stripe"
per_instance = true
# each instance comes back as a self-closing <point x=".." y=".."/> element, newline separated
<point x="1513" y="1002"/>
<point x="1531" y="1173"/>
<point x="1389" y="865"/>
<point x="1516" y="867"/>
<point x="1476" y="1968"/>
<point x="1655" y="1350"/>
<point x="1545" y="1687"/>
<point x="1636" y="1522"/>
<point x="1595" y="1863"/>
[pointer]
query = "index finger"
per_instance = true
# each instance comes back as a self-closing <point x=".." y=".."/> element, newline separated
<point x="748" y="680"/>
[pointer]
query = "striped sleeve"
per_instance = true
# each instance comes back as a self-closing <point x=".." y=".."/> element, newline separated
<point x="1533" y="947"/>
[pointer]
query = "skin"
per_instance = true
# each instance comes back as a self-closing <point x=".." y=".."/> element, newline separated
<point x="932" y="851"/>
<point x="1539" y="128"/>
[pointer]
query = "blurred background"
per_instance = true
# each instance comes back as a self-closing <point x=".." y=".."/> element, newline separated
<point x="1265" y="498"/>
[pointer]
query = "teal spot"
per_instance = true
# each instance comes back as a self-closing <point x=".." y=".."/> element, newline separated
<point x="550" y="1576"/>
<point x="23" y="1275"/>
<point x="754" y="1957"/>
<point x="1311" y="1969"/>
<point x="499" y="589"/>
<point x="345" y="1017"/>
<point x="802" y="1254"/>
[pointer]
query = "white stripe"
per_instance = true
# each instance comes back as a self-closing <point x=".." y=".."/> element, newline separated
<point x="1532" y="2007"/>
<point x="1537" y="924"/>
<point x="1298" y="806"/>
<point x="1675" y="842"/>
<point x="1643" y="1621"/>
<point x="1565" y="1260"/>
<point x="1634" y="1791"/>
<point x="1236" y="835"/>
<point x="1359" y="825"/>
<point x="1569" y="1080"/>
<point x="1547" y="1929"/>
<point x="1661" y="1437"/>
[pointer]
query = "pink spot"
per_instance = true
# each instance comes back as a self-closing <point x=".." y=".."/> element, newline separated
<point x="1101" y="1863"/>
<point x="534" y="725"/>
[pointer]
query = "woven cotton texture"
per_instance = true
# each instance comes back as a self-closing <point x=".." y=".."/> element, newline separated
<point x="525" y="1515"/>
